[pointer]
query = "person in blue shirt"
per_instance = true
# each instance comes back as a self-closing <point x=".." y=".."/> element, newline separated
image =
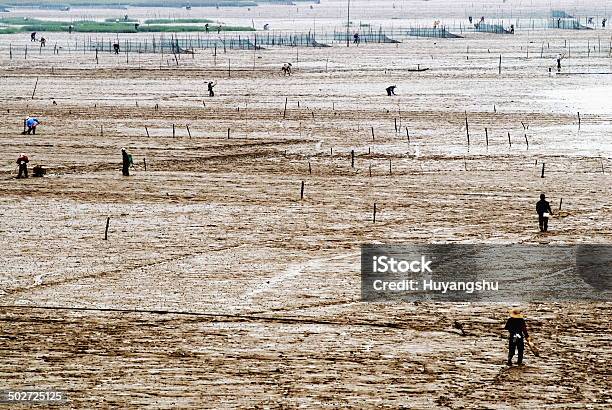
<point x="31" y="123"/>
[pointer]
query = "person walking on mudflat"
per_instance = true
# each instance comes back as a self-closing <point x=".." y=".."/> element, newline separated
<point x="517" y="329"/>
<point x="544" y="212"/>
<point x="127" y="161"/>
<point x="211" y="92"/>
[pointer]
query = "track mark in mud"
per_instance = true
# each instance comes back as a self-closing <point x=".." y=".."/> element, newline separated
<point x="291" y="272"/>
<point x="38" y="281"/>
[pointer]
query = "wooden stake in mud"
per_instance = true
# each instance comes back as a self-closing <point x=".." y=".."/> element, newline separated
<point x="578" y="120"/>
<point x="101" y="130"/>
<point x="509" y="140"/>
<point x="390" y="172"/>
<point x="395" y="120"/>
<point x="467" y="129"/>
<point x="408" y="135"/>
<point x="144" y="162"/>
<point x="228" y="133"/>
<point x="372" y="133"/>
<point x="173" y="131"/>
<point x="285" y="110"/>
<point x="229" y="67"/>
<point x="526" y="141"/>
<point x="500" y="64"/>
<point x="487" y="136"/>
<point x="35" y="85"/>
<point x="302" y="191"/>
<point x="352" y="158"/>
<point x="543" y="164"/>
<point x="560" y="203"/>
<point x="106" y="229"/>
<point x="188" y="131"/>
<point x="11" y="51"/>
<point x="309" y="168"/>
<point x="374" y="214"/>
<point x="147" y="130"/>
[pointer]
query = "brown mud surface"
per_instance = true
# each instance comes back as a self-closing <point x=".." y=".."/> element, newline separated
<point x="219" y="287"/>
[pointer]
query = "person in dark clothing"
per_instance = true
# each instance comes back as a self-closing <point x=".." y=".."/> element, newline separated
<point x="391" y="90"/>
<point x="116" y="48"/>
<point x="544" y="211"/>
<point x="517" y="329"/>
<point x="22" y="161"/>
<point x="356" y="39"/>
<point x="33" y="36"/>
<point x="603" y="23"/>
<point x="206" y="27"/>
<point x="559" y="64"/>
<point x="43" y="42"/>
<point x="127" y="161"/>
<point x="70" y="28"/>
<point x="211" y="93"/>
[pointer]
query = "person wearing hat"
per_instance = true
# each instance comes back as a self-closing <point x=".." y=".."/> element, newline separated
<point x="517" y="328"/>
<point x="544" y="211"/>
<point x="22" y="161"/>
<point x="127" y="161"/>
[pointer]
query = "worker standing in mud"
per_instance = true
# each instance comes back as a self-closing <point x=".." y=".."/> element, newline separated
<point x="544" y="211"/>
<point x="31" y="123"/>
<point x="559" y="58"/>
<point x="211" y="92"/>
<point x="127" y="162"/>
<point x="391" y="90"/>
<point x="116" y="47"/>
<point x="517" y="329"/>
<point x="22" y="162"/>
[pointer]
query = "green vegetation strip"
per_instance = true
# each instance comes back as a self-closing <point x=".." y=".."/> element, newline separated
<point x="177" y="21"/>
<point x="133" y="3"/>
<point x="21" y="25"/>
